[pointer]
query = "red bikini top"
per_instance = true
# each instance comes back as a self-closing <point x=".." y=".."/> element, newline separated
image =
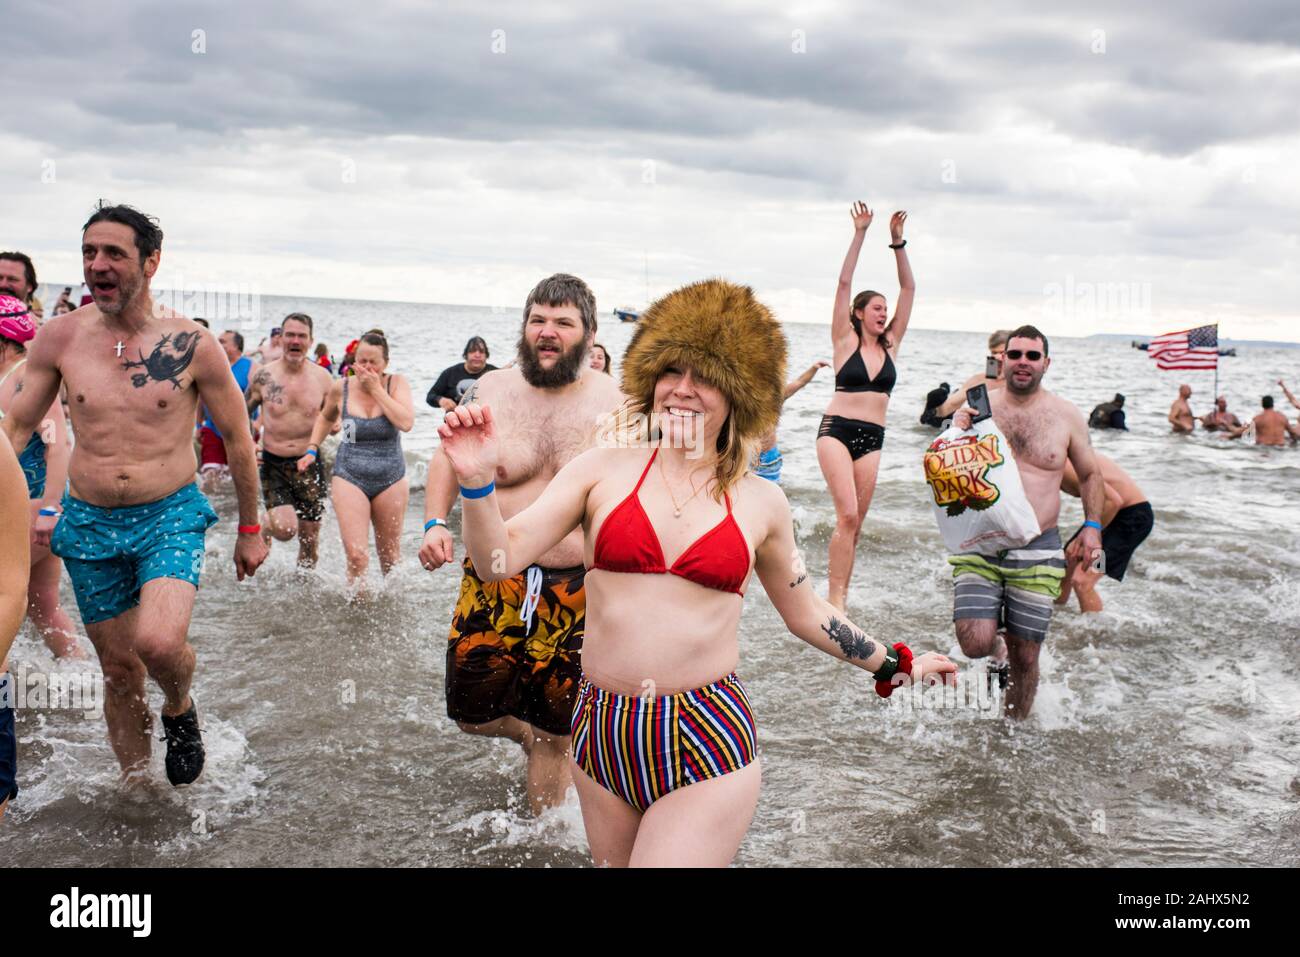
<point x="627" y="542"/>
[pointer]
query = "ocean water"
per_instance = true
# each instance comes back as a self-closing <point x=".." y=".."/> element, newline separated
<point x="1164" y="732"/>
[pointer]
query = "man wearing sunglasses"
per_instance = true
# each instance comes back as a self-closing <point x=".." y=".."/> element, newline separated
<point x="1020" y="585"/>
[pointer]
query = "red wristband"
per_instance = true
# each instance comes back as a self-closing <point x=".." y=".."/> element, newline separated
<point x="886" y="688"/>
<point x="249" y="529"/>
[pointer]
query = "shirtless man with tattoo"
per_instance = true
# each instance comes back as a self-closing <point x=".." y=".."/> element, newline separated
<point x="513" y="657"/>
<point x="291" y="391"/>
<point x="1020" y="585"/>
<point x="133" y="524"/>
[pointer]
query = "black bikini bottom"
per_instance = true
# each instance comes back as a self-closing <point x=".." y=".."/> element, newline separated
<point x="858" y="437"/>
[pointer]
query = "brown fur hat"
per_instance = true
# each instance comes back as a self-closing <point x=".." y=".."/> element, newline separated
<point x="727" y="337"/>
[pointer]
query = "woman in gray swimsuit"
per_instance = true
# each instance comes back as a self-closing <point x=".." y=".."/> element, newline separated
<point x="369" y="484"/>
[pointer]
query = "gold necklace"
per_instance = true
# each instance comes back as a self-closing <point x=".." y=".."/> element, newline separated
<point x="677" y="509"/>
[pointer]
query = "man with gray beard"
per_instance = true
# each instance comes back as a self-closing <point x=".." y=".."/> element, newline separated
<point x="513" y="657"/>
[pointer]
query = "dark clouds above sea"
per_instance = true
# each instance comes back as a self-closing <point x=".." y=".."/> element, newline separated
<point x="1161" y="118"/>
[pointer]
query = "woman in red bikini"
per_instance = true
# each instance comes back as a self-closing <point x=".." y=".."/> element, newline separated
<point x="664" y="744"/>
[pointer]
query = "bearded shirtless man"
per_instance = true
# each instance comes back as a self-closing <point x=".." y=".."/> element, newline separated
<point x="1020" y="585"/>
<point x="291" y="391"/>
<point x="513" y="658"/>
<point x="133" y="524"/>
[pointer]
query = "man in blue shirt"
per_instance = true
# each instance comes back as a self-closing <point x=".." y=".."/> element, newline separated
<point x="212" y="449"/>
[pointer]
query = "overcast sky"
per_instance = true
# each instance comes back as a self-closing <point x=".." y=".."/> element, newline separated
<point x="1124" y="167"/>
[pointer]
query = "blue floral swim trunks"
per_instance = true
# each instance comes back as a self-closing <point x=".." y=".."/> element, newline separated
<point x="112" y="552"/>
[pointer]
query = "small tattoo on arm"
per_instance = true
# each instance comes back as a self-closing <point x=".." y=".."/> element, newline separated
<point x="852" y="642"/>
<point x="18" y="388"/>
<point x="471" y="395"/>
<point x="798" y="581"/>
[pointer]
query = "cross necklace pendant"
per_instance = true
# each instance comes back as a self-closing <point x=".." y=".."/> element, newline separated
<point x="119" y="348"/>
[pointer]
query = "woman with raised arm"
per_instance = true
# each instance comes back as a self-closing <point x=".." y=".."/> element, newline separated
<point x="853" y="429"/>
<point x="369" y="485"/>
<point x="664" y="743"/>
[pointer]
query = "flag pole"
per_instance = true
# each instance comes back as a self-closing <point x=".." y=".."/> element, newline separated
<point x="1214" y="399"/>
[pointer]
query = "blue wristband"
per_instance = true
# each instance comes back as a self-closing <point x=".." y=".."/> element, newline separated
<point x="1091" y="524"/>
<point x="432" y="522"/>
<point x="49" y="511"/>
<point x="313" y="453"/>
<point x="482" y="492"/>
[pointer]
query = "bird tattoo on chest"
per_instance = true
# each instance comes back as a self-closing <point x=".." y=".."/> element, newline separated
<point x="168" y="360"/>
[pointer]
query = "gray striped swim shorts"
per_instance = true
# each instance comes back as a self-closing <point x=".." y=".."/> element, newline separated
<point x="1017" y="586"/>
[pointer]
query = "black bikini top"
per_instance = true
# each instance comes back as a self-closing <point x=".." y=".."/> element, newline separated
<point x="853" y="377"/>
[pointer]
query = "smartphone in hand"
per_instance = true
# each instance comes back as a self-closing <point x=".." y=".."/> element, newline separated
<point x="977" y="397"/>
<point x="992" y="368"/>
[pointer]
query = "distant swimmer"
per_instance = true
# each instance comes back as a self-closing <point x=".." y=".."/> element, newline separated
<point x="675" y="527"/>
<point x="290" y="392"/>
<point x="1180" y="413"/>
<point x="454" y="380"/>
<point x="1287" y="392"/>
<point x="852" y="432"/>
<point x="134" y="521"/>
<point x="44" y="460"/>
<point x="369" y="485"/>
<point x="769" y="462"/>
<point x="1109" y="415"/>
<point x="14" y="561"/>
<point x="1220" y="420"/>
<point x="513" y="653"/>
<point x="213" y="467"/>
<point x="1019" y="585"/>
<point x="1126" y="521"/>
<point x="991" y="378"/>
<point x="1271" y="426"/>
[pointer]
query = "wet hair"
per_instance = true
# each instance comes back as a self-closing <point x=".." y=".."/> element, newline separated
<point x="13" y="344"/>
<point x="1267" y="402"/>
<point x="860" y="302"/>
<point x="375" y="339"/>
<point x="476" y="342"/>
<point x="297" y="317"/>
<point x="999" y="338"/>
<point x="564" y="290"/>
<point x="1029" y="332"/>
<point x="148" y="236"/>
<point x="202" y="322"/>
<point x="608" y="361"/>
<point x="28" y="268"/>
<point x="237" y="336"/>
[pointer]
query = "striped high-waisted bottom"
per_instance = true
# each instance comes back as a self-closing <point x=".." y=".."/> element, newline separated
<point x="641" y="748"/>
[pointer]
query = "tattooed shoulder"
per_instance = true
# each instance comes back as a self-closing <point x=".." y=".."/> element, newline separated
<point x="471" y="395"/>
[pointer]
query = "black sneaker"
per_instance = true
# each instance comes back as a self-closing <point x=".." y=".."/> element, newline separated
<point x="184" y="747"/>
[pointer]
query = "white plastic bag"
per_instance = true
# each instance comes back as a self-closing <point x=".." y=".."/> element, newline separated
<point x="978" y="499"/>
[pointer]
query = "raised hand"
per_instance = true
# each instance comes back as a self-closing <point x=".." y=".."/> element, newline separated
<point x="896" y="223"/>
<point x="861" y="216"/>
<point x="469" y="437"/>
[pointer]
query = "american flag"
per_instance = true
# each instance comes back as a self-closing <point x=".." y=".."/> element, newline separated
<point x="1190" y="349"/>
